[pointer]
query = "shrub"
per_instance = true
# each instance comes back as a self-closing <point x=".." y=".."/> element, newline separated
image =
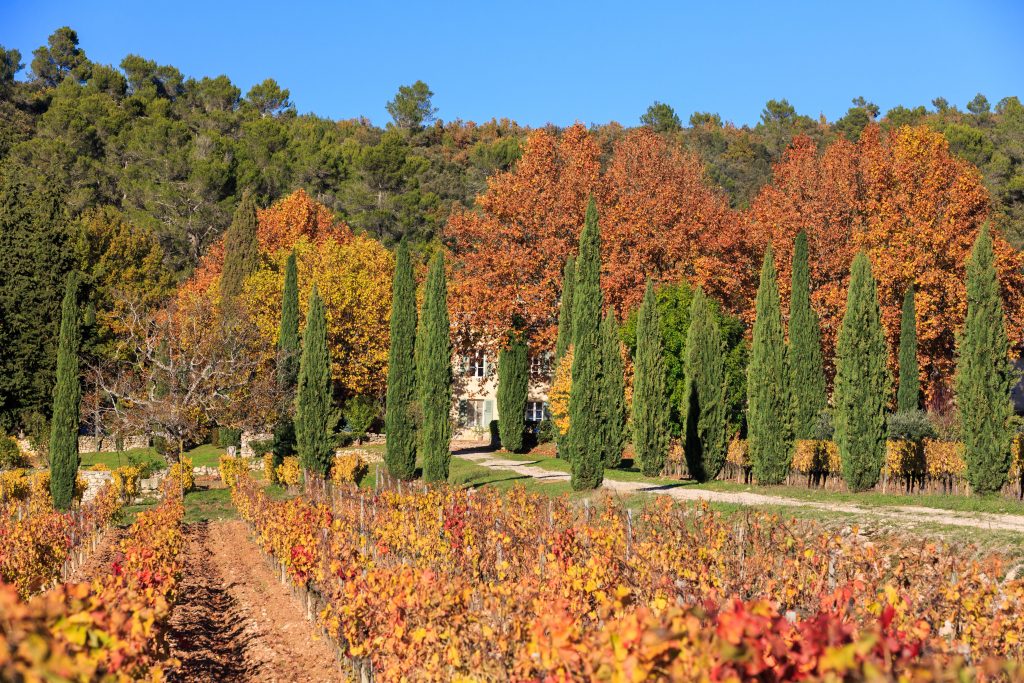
<point x="910" y="425"/>
<point x="816" y="456"/>
<point x="14" y="485"/>
<point x="231" y="468"/>
<point x="269" y="471"/>
<point x="823" y="428"/>
<point x="261" y="446"/>
<point x="126" y="482"/>
<point x="738" y="453"/>
<point x="181" y="471"/>
<point x="360" y="414"/>
<point x="229" y="436"/>
<point x="944" y="459"/>
<point x="349" y="468"/>
<point x="545" y="431"/>
<point x="160" y="445"/>
<point x="98" y="467"/>
<point x="904" y="459"/>
<point x="288" y="472"/>
<point x="11" y="457"/>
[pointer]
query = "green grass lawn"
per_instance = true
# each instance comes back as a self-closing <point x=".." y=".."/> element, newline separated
<point x="206" y="455"/>
<point x="202" y="504"/>
<point x="115" y="460"/>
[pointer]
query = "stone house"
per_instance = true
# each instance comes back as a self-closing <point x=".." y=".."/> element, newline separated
<point x="475" y="389"/>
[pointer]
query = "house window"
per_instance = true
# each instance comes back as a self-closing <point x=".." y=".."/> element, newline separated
<point x="539" y="365"/>
<point x="476" y="366"/>
<point x="472" y="413"/>
<point x="536" y="411"/>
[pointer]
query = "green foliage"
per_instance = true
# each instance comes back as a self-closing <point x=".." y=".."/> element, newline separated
<point x="399" y="417"/>
<point x="67" y="396"/>
<point x="661" y="118"/>
<point x="229" y="436"/>
<point x="565" y="306"/>
<point x="241" y="250"/>
<point x="513" y="389"/>
<point x="10" y="455"/>
<point x="984" y="375"/>
<point x="910" y="425"/>
<point x="613" y="423"/>
<point x="586" y="452"/>
<point x="650" y="401"/>
<point x="674" y="301"/>
<point x="289" y="350"/>
<point x="360" y="413"/>
<point x="315" y="416"/>
<point x="433" y="359"/>
<point x="862" y="381"/>
<point x="706" y="425"/>
<point x="805" y="357"/>
<point x="769" y="416"/>
<point x="411" y="106"/>
<point x="908" y="394"/>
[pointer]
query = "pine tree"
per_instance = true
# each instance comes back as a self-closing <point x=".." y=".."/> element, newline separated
<point x="288" y="351"/>
<point x="862" y="381"/>
<point x="586" y="453"/>
<point x="314" y="410"/>
<point x="399" y="417"/>
<point x="909" y="392"/>
<point x="565" y="309"/>
<point x="67" y="394"/>
<point x="805" y="357"/>
<point x="241" y="250"/>
<point x="614" y="393"/>
<point x="513" y="388"/>
<point x="769" y="404"/>
<point x="984" y="375"/>
<point x="705" y="409"/>
<point x="433" y="360"/>
<point x="650" y="400"/>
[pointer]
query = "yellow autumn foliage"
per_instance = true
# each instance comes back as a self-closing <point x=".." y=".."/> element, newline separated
<point x="558" y="397"/>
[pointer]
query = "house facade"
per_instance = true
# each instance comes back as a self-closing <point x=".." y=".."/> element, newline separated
<point x="475" y="388"/>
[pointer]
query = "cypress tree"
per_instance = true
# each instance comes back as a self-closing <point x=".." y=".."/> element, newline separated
<point x="399" y="418"/>
<point x="565" y="309"/>
<point x="650" y="400"/>
<point x="513" y="387"/>
<point x="769" y="404"/>
<point x="808" y="368"/>
<point x="288" y="351"/>
<point x="314" y="413"/>
<point x="241" y="249"/>
<point x="434" y="374"/>
<point x="862" y="381"/>
<point x="67" y="394"/>
<point x="704" y="395"/>
<point x="984" y="375"/>
<point x="586" y="453"/>
<point x="909" y="392"/>
<point x="614" y="393"/>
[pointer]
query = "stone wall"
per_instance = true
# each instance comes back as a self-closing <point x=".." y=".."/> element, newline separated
<point x="94" y="481"/>
<point x="108" y="444"/>
<point x="247" y="440"/>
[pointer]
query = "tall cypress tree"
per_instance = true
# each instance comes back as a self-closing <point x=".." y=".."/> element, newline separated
<point x="67" y="394"/>
<point x="650" y="400"/>
<point x="513" y="387"/>
<point x="288" y="352"/>
<point x="984" y="375"/>
<point x="314" y="410"/>
<point x="586" y="453"/>
<point x="705" y="409"/>
<point x="805" y="358"/>
<point x="434" y="374"/>
<point x="909" y="392"/>
<point x="769" y="403"/>
<point x="241" y="249"/>
<point x="862" y="381"/>
<point x="614" y="393"/>
<point x="399" y="418"/>
<point x="565" y="309"/>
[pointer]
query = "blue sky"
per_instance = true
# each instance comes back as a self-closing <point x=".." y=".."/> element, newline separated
<point x="560" y="62"/>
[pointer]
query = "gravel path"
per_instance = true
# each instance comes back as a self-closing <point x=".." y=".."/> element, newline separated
<point x="904" y="514"/>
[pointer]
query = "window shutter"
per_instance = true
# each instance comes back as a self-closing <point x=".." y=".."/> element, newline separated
<point x="488" y="412"/>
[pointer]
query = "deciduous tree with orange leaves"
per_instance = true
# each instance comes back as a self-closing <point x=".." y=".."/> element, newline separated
<point x="660" y="218"/>
<point x="914" y="207"/>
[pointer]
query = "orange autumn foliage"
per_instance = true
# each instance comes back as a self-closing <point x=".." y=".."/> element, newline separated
<point x="659" y="217"/>
<point x="914" y="206"/>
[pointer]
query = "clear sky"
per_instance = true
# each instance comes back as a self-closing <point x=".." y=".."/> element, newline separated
<point x="560" y="62"/>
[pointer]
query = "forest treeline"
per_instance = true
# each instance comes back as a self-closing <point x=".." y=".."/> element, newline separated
<point x="128" y="173"/>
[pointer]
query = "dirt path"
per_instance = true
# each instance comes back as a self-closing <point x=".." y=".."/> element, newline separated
<point x="235" y="621"/>
<point x="904" y="514"/>
<point x="98" y="561"/>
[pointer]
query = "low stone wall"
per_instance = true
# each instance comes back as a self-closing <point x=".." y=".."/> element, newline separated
<point x="247" y="440"/>
<point x="94" y="481"/>
<point x="108" y="444"/>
